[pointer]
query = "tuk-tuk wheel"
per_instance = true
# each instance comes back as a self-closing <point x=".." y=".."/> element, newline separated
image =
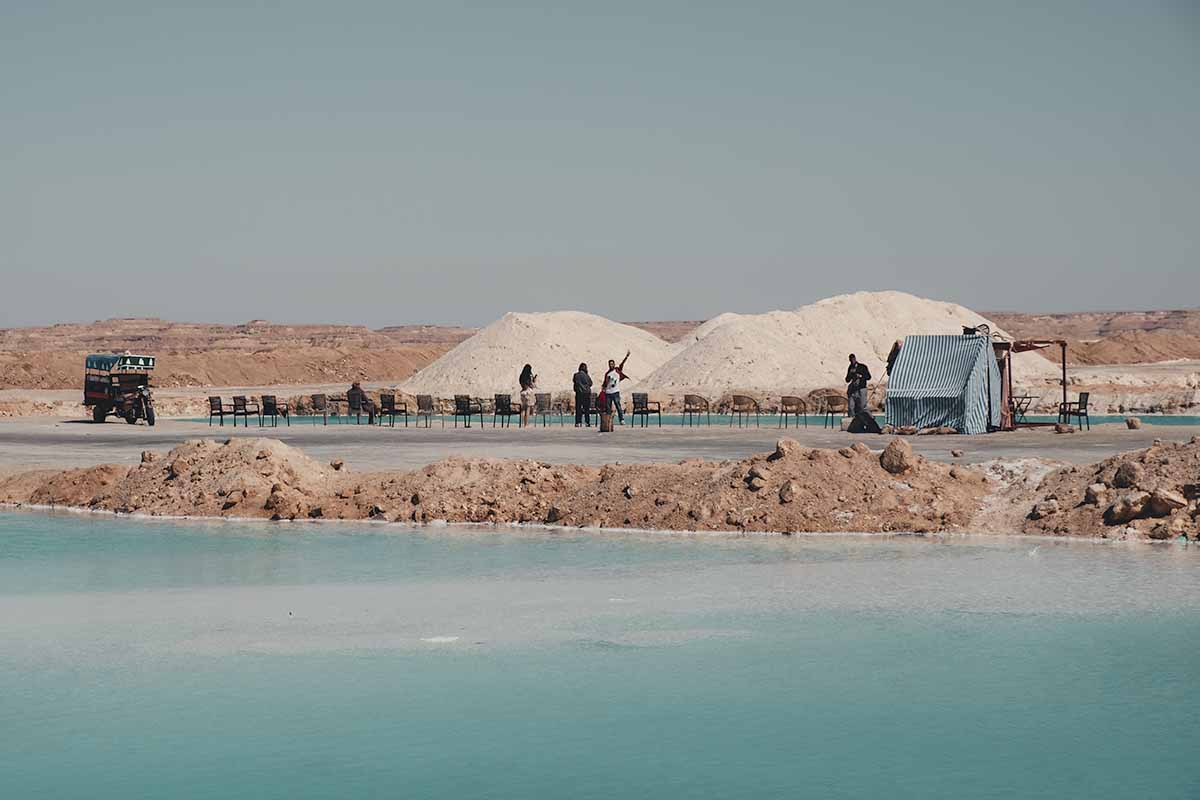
<point x="99" y="413"/>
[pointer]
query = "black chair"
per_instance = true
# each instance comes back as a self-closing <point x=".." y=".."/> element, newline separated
<point x="792" y="406"/>
<point x="741" y="406"/>
<point x="1077" y="409"/>
<point x="425" y="409"/>
<point x="466" y="408"/>
<point x="502" y="407"/>
<point x="321" y="406"/>
<point x="271" y="407"/>
<point x="834" y="407"/>
<point x="217" y="409"/>
<point x="694" y="404"/>
<point x="390" y="409"/>
<point x="244" y="408"/>
<point x="643" y="407"/>
<point x="357" y="403"/>
<point x="543" y="406"/>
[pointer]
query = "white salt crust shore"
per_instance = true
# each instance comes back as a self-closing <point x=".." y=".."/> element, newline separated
<point x="540" y="527"/>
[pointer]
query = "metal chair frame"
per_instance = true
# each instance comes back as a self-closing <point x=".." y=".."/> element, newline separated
<point x="388" y="407"/>
<point x="320" y="405"/>
<point x="217" y="409"/>
<point x="741" y="406"/>
<point x="543" y="406"/>
<point x="833" y="404"/>
<point x="792" y="406"/>
<point x="244" y="407"/>
<point x="1076" y="408"/>
<point x="643" y="406"/>
<point x="694" y="404"/>
<point x="271" y="407"/>
<point x="425" y="409"/>
<point x="466" y="407"/>
<point x="502" y="407"/>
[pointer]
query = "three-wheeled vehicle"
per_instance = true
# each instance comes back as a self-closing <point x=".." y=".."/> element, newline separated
<point x="119" y="384"/>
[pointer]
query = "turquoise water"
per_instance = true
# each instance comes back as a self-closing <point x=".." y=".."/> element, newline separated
<point x="160" y="659"/>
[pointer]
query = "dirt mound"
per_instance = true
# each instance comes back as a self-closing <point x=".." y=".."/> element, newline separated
<point x="245" y="477"/>
<point x="1151" y="493"/>
<point x="794" y="352"/>
<point x="792" y="489"/>
<point x="553" y="342"/>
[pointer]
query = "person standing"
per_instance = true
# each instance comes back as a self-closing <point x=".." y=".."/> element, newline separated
<point x="528" y="382"/>
<point x="893" y="355"/>
<point x="583" y="396"/>
<point x="857" y="376"/>
<point x="612" y="387"/>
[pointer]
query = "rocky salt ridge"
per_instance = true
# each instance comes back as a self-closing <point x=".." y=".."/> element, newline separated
<point x="791" y="489"/>
<point x="1144" y="494"/>
<point x="1150" y="494"/>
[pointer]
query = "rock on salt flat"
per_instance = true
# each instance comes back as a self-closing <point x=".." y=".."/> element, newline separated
<point x="553" y="342"/>
<point x="797" y="351"/>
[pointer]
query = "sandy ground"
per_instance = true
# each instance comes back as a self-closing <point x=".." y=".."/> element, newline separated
<point x="41" y="442"/>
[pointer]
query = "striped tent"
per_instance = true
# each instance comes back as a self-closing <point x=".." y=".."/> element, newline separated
<point x="950" y="381"/>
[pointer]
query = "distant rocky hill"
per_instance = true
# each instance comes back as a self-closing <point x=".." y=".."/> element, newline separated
<point x="260" y="352"/>
<point x="1113" y="337"/>
<point x="1095" y="324"/>
<point x="202" y="354"/>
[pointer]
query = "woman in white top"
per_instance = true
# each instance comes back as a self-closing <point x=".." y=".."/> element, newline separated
<point x="528" y="382"/>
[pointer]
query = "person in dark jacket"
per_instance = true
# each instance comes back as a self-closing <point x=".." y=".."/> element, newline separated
<point x="856" y="386"/>
<point x="893" y="355"/>
<point x="583" y="397"/>
<point x="356" y="394"/>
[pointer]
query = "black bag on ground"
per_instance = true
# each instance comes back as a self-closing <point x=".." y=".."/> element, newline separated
<point x="863" y="422"/>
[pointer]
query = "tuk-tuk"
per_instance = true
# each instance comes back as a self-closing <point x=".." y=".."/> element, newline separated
<point x="118" y="384"/>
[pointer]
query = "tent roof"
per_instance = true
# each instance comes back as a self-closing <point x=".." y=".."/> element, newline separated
<point x="936" y="366"/>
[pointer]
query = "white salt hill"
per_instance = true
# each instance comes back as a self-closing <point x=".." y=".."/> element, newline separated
<point x="554" y="342"/>
<point x="794" y="352"/>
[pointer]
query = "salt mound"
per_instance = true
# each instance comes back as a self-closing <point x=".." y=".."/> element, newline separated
<point x="554" y="342"/>
<point x="794" y="352"/>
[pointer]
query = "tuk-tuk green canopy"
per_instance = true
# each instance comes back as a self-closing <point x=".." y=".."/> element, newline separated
<point x="108" y="362"/>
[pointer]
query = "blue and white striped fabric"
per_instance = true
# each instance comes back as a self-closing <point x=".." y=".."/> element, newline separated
<point x="945" y="381"/>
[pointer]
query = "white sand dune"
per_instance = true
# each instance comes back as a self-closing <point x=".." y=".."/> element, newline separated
<point x="797" y="351"/>
<point x="554" y="342"/>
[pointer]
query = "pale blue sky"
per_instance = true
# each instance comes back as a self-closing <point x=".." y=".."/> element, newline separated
<point x="388" y="163"/>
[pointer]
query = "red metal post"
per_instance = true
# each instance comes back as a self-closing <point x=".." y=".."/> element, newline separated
<point x="1063" y="345"/>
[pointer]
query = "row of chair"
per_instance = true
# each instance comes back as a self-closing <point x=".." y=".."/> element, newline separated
<point x="741" y="406"/>
<point x="832" y="407"/>
<point x="325" y="407"/>
<point x="268" y="406"/>
<point x="503" y="409"/>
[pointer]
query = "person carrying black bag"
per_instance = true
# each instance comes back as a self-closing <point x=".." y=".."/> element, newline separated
<point x="856" y="386"/>
<point x="583" y="396"/>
